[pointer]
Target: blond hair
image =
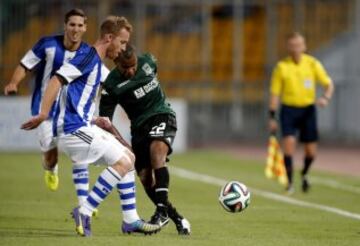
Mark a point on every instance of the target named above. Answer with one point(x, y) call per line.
point(114, 24)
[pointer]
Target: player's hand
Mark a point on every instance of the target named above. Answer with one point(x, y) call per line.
point(33, 123)
point(10, 89)
point(273, 126)
point(103, 122)
point(322, 102)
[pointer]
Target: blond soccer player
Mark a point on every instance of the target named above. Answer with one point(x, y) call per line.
point(78, 82)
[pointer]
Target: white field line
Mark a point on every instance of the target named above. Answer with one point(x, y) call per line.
point(186, 174)
point(334, 184)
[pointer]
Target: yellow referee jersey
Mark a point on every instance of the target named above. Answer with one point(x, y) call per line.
point(295, 83)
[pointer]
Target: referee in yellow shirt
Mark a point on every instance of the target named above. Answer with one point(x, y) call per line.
point(293, 85)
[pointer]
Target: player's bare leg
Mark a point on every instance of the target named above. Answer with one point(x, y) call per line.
point(289, 145)
point(310, 150)
point(147, 180)
point(50, 159)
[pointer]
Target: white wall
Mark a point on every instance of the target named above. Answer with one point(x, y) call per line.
point(15, 111)
point(342, 61)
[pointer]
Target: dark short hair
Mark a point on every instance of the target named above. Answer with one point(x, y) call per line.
point(127, 54)
point(75, 12)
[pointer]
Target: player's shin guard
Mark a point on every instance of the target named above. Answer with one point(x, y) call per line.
point(81, 182)
point(103, 186)
point(126, 188)
point(162, 178)
point(289, 167)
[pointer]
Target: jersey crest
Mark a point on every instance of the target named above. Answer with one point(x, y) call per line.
point(147, 69)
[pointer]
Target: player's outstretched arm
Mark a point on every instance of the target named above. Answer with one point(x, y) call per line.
point(105, 124)
point(118, 136)
point(106, 110)
point(18, 75)
point(107, 105)
point(50, 95)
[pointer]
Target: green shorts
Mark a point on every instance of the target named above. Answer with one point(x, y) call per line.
point(160, 127)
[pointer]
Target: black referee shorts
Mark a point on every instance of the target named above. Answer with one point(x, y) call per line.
point(302, 120)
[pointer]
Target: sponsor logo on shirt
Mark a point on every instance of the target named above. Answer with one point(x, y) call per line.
point(142, 91)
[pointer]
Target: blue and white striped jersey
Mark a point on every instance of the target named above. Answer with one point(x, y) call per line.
point(46, 57)
point(76, 105)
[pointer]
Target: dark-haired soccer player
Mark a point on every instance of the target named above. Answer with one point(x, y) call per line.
point(134, 85)
point(45, 58)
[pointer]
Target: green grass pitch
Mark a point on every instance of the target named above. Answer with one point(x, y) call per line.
point(32, 215)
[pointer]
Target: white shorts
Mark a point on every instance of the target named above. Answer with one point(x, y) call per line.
point(45, 136)
point(91, 144)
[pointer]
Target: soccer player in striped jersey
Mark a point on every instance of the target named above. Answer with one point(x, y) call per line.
point(45, 58)
point(84, 142)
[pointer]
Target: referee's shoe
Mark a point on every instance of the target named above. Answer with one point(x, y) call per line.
point(305, 185)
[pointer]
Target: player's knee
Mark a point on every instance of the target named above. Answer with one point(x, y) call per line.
point(158, 153)
point(157, 160)
point(130, 156)
point(310, 150)
point(125, 163)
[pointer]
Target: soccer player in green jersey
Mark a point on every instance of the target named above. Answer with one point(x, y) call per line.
point(134, 85)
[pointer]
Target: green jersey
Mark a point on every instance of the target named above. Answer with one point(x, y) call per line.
point(141, 96)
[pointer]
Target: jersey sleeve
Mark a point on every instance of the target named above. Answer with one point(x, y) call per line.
point(104, 73)
point(276, 81)
point(322, 76)
point(68, 72)
point(34, 55)
point(107, 105)
point(108, 83)
point(152, 61)
point(78, 66)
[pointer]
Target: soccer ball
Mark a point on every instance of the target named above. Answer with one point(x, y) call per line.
point(234, 197)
